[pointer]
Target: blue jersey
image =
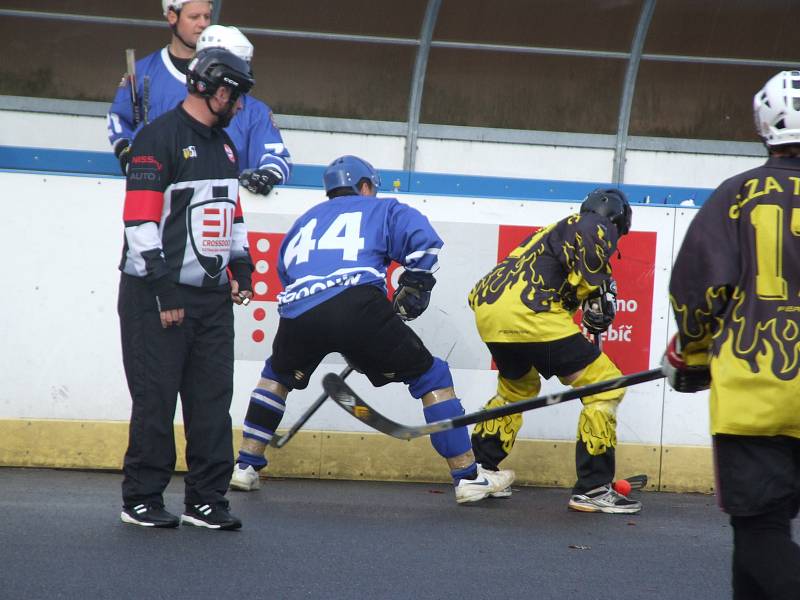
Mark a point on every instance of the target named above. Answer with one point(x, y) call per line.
point(252, 130)
point(349, 241)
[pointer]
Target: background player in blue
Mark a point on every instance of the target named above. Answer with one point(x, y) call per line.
point(264, 159)
point(332, 266)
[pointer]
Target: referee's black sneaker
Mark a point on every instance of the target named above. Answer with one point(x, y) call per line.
point(211, 516)
point(148, 515)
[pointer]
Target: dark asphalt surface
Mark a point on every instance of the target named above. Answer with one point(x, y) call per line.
point(61, 537)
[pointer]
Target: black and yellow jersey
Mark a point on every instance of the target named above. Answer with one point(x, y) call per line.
point(520, 300)
point(735, 290)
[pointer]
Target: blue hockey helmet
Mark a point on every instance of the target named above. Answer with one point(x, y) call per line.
point(347, 171)
point(611, 203)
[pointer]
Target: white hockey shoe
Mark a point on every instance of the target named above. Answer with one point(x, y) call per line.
point(487, 483)
point(244, 479)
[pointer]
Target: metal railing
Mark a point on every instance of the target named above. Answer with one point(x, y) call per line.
point(413, 130)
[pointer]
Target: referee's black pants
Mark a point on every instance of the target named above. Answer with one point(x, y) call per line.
point(195, 360)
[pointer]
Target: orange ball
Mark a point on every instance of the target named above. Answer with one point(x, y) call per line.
point(623, 486)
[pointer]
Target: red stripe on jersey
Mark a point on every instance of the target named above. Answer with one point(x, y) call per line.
point(143, 205)
point(238, 214)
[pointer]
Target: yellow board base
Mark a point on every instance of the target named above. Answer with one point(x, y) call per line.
point(354, 456)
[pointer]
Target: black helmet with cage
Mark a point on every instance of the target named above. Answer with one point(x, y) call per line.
point(612, 204)
point(215, 67)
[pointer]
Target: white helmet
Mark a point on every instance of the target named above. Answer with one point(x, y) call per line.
point(228, 38)
point(175, 5)
point(776, 109)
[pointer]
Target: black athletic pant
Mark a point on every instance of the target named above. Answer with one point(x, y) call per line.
point(766, 562)
point(758, 484)
point(195, 360)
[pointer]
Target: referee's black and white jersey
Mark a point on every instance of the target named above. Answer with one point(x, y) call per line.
point(183, 218)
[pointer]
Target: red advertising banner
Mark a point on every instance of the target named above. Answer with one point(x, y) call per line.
point(264, 252)
point(266, 284)
point(627, 341)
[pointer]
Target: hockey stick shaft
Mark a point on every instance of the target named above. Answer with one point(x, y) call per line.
point(280, 442)
point(146, 99)
point(130, 59)
point(352, 403)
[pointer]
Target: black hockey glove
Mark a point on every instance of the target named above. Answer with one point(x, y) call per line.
point(242, 272)
point(413, 294)
point(600, 308)
point(682, 377)
point(168, 296)
point(260, 181)
point(123, 153)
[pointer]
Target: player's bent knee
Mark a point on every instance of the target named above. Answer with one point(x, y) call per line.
point(274, 387)
point(269, 374)
point(522, 388)
point(438, 377)
point(600, 369)
point(452, 442)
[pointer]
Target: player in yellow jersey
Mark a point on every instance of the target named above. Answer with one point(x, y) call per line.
point(735, 291)
point(524, 312)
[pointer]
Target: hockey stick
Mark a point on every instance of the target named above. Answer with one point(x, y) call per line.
point(146, 99)
point(637, 482)
point(280, 442)
point(130, 58)
point(345, 397)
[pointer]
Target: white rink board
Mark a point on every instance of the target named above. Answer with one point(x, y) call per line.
point(686, 416)
point(496, 159)
point(61, 353)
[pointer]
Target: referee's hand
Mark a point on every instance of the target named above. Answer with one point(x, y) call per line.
point(238, 297)
point(173, 316)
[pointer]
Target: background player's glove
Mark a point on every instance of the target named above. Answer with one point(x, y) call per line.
point(682, 377)
point(413, 294)
point(260, 181)
point(600, 309)
point(123, 154)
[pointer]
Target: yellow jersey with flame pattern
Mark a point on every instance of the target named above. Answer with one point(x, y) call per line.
point(532, 294)
point(735, 291)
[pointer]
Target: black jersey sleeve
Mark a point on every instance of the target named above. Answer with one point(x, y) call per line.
point(589, 241)
point(151, 171)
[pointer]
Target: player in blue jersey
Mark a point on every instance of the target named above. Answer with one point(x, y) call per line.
point(263, 157)
point(332, 266)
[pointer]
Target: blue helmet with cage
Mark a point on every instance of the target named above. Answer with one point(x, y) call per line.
point(347, 172)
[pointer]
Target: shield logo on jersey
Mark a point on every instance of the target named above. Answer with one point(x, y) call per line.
point(229, 152)
point(210, 227)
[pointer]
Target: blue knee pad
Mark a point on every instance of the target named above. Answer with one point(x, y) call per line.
point(268, 373)
point(436, 378)
point(452, 442)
